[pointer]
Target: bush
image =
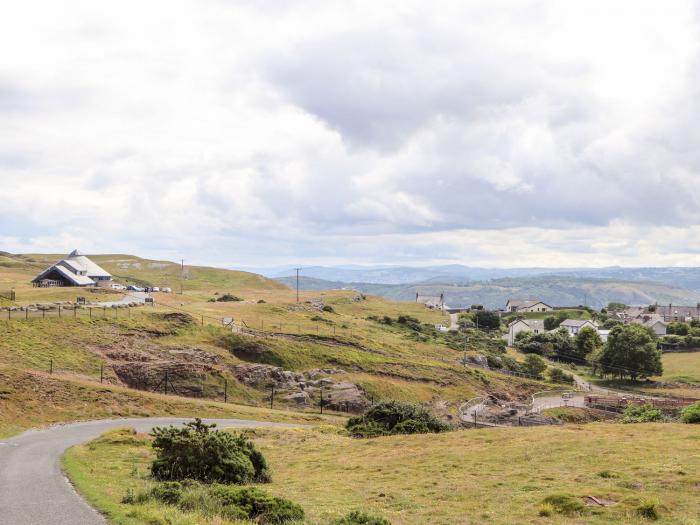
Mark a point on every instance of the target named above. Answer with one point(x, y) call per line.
point(641, 414)
point(564, 504)
point(534, 365)
point(393, 417)
point(691, 413)
point(196, 452)
point(328, 308)
point(647, 509)
point(557, 375)
point(358, 517)
point(231, 503)
point(228, 298)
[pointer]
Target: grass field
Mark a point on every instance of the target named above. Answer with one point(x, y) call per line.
point(681, 367)
point(497, 476)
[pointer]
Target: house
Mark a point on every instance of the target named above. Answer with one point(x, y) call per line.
point(74, 270)
point(524, 325)
point(670, 313)
point(432, 301)
point(604, 335)
point(574, 326)
point(527, 305)
point(657, 325)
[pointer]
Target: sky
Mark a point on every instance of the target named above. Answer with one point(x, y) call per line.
point(260, 133)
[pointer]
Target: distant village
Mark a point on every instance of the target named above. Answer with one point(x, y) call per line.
point(656, 317)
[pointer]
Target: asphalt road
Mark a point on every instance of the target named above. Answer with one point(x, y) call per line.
point(34, 490)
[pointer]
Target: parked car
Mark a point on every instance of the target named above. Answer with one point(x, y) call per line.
point(133, 288)
point(116, 286)
point(155, 289)
point(166, 290)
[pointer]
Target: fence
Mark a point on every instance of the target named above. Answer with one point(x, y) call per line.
point(67, 311)
point(8, 294)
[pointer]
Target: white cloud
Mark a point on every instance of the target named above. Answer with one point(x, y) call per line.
point(353, 131)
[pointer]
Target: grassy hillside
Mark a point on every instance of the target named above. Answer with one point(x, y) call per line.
point(498, 476)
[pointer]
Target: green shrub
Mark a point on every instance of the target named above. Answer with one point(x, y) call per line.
point(557, 375)
point(328, 308)
point(258, 505)
point(196, 452)
point(647, 509)
point(358, 517)
point(228, 298)
point(565, 504)
point(641, 414)
point(691, 413)
point(394, 417)
point(231, 503)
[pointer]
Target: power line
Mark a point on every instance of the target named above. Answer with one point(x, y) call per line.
point(297, 270)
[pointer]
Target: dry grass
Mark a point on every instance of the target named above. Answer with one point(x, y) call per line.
point(496, 476)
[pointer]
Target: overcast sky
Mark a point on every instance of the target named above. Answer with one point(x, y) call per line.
point(256, 133)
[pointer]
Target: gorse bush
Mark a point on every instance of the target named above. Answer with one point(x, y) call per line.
point(691, 413)
point(200, 453)
point(231, 503)
point(394, 417)
point(557, 375)
point(641, 414)
point(358, 517)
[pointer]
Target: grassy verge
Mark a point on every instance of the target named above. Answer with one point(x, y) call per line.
point(499, 476)
point(31, 399)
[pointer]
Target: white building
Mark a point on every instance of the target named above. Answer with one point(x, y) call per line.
point(574, 326)
point(527, 305)
point(74, 270)
point(524, 325)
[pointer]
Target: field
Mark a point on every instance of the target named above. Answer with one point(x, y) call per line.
point(681, 367)
point(497, 476)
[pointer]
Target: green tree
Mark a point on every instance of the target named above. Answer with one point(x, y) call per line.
point(586, 342)
point(612, 307)
point(534, 365)
point(678, 328)
point(487, 320)
point(631, 352)
point(551, 322)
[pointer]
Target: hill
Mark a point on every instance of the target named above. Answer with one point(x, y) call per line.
point(557, 290)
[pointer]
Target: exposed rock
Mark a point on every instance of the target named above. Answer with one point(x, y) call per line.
point(302, 398)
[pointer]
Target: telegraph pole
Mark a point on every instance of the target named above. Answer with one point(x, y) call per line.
point(297, 270)
point(182, 273)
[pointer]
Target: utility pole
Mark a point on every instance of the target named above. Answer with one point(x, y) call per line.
point(182, 273)
point(297, 270)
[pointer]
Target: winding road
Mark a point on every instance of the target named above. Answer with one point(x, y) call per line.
point(34, 490)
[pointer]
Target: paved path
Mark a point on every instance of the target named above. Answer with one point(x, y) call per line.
point(33, 489)
point(130, 297)
point(542, 403)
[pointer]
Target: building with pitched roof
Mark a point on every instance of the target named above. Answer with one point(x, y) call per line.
point(527, 305)
point(75, 270)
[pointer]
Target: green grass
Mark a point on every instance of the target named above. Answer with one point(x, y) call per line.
point(497, 476)
point(681, 367)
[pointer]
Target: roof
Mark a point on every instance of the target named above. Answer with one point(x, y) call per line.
point(576, 323)
point(93, 270)
point(524, 303)
point(655, 320)
point(73, 265)
point(673, 310)
point(534, 324)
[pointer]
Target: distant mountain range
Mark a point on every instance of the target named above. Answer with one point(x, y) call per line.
point(464, 285)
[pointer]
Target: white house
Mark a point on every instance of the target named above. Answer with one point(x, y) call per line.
point(574, 326)
point(527, 305)
point(524, 325)
point(657, 325)
point(74, 270)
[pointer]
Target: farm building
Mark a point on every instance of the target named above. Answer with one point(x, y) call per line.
point(74, 270)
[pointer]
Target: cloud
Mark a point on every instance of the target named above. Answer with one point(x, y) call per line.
point(488, 132)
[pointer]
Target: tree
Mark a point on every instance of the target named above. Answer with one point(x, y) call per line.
point(487, 320)
point(678, 328)
point(534, 365)
point(631, 352)
point(586, 342)
point(551, 322)
point(612, 307)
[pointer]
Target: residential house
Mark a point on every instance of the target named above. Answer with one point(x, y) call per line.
point(657, 325)
point(75, 270)
point(574, 326)
point(432, 301)
point(527, 305)
point(524, 325)
point(670, 313)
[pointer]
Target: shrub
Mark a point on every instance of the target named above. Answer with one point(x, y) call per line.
point(691, 413)
point(545, 510)
point(557, 375)
point(641, 414)
point(328, 308)
point(228, 298)
point(564, 504)
point(197, 452)
point(394, 417)
point(231, 503)
point(358, 517)
point(258, 505)
point(534, 365)
point(647, 509)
